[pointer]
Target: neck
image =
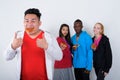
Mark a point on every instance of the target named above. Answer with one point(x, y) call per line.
point(98, 35)
point(63, 37)
point(78, 33)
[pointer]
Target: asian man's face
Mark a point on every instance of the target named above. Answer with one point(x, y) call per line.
point(31, 23)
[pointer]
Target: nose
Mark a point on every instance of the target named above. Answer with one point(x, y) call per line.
point(29, 24)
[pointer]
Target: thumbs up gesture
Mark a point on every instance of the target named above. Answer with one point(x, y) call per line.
point(17, 42)
point(42, 43)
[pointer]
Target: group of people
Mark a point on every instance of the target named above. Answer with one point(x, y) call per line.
point(44, 57)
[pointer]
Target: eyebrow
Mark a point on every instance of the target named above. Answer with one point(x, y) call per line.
point(31, 19)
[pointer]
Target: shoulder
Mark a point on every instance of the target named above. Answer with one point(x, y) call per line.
point(73, 36)
point(104, 37)
point(59, 38)
point(48, 34)
point(93, 37)
point(86, 35)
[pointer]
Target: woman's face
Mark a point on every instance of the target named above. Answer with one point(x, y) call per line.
point(97, 29)
point(64, 30)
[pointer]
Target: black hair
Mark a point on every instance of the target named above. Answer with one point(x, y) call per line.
point(33, 11)
point(78, 21)
point(67, 37)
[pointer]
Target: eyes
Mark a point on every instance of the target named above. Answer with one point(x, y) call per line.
point(98, 28)
point(78, 25)
point(31, 21)
point(65, 29)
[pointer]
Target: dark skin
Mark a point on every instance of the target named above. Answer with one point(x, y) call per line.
point(78, 28)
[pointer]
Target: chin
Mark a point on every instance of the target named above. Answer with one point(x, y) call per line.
point(65, 35)
point(30, 32)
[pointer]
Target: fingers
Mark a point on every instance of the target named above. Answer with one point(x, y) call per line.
point(43, 37)
point(62, 46)
point(42, 43)
point(17, 43)
point(86, 71)
point(15, 36)
point(20, 40)
point(74, 47)
point(38, 42)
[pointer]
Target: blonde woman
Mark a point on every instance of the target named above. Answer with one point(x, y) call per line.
point(102, 54)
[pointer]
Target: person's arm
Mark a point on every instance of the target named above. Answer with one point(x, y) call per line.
point(108, 56)
point(53, 47)
point(10, 53)
point(89, 53)
point(12, 49)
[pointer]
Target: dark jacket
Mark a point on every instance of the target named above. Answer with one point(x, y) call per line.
point(102, 56)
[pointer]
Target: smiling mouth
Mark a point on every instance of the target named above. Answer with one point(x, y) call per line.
point(29, 29)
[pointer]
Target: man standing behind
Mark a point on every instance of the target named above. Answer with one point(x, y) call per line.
point(82, 52)
point(36, 49)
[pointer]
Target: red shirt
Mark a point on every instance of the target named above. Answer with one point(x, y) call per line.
point(66, 61)
point(33, 59)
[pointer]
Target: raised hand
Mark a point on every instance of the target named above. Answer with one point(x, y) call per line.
point(74, 47)
point(17, 42)
point(42, 43)
point(62, 46)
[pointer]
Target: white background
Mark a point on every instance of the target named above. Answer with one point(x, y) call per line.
point(54, 13)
